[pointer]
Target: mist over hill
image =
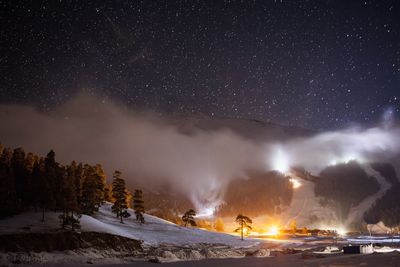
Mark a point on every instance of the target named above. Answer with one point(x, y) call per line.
point(191, 161)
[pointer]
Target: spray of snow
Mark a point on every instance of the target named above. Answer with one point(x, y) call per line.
point(280, 160)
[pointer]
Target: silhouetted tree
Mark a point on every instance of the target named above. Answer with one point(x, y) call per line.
point(119, 194)
point(78, 180)
point(70, 201)
point(188, 218)
point(92, 194)
point(26, 180)
point(138, 205)
point(43, 188)
point(29, 193)
point(244, 223)
point(30, 160)
point(108, 193)
point(6, 156)
point(21, 176)
point(8, 195)
point(100, 183)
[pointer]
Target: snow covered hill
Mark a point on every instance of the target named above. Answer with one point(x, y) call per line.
point(155, 231)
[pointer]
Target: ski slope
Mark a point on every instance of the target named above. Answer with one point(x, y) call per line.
point(306, 204)
point(356, 213)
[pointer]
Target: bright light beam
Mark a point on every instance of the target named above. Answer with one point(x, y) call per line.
point(273, 231)
point(280, 161)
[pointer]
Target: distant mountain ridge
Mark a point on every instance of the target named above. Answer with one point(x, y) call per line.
point(251, 129)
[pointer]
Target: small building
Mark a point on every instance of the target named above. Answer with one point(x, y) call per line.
point(366, 249)
point(358, 249)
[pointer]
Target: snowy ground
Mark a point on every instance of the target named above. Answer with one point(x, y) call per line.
point(296, 260)
point(158, 231)
point(155, 231)
point(166, 242)
point(163, 241)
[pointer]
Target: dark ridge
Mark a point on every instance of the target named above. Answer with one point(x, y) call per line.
point(386, 209)
point(60, 241)
point(387, 171)
point(344, 186)
point(260, 194)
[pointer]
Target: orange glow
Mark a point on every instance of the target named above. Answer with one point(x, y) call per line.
point(246, 231)
point(341, 231)
point(295, 183)
point(273, 230)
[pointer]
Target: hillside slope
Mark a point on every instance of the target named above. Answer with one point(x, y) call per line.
point(155, 231)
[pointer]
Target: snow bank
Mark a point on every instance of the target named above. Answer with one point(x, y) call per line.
point(386, 249)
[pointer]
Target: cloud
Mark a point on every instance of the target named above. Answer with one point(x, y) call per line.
point(329, 148)
point(152, 150)
point(146, 148)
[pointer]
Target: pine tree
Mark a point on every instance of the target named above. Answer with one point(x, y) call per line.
point(244, 223)
point(50, 180)
point(8, 194)
point(27, 180)
point(30, 160)
point(108, 194)
point(78, 180)
point(92, 193)
point(6, 156)
point(60, 176)
point(100, 183)
point(70, 202)
point(188, 218)
point(21, 176)
point(119, 193)
point(55, 174)
point(43, 189)
point(138, 205)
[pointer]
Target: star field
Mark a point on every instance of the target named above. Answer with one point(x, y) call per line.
point(314, 64)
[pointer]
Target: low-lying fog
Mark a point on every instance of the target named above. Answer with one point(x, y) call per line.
point(150, 149)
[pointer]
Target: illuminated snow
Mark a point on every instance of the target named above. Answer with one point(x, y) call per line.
point(295, 183)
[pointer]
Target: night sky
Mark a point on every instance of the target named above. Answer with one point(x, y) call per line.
point(315, 64)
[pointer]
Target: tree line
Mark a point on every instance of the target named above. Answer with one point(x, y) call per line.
point(31, 182)
point(28, 181)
